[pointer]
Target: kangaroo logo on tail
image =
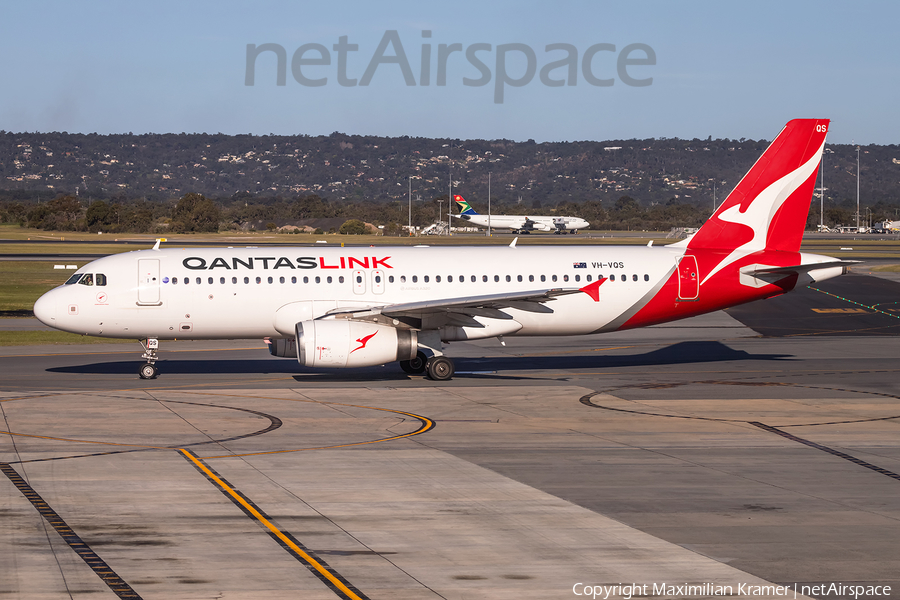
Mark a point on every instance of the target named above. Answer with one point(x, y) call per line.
point(767, 209)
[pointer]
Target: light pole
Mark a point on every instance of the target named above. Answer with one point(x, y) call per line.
point(822, 195)
point(489, 204)
point(857, 189)
point(450, 197)
point(409, 225)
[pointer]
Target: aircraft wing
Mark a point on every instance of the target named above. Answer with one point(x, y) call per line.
point(488, 305)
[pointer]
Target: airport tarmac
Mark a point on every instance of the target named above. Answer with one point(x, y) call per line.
point(699, 452)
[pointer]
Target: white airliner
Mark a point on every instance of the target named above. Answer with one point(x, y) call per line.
point(518, 223)
point(357, 307)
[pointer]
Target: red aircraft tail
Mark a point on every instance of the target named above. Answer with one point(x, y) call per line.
point(768, 208)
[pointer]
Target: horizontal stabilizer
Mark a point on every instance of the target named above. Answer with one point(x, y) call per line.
point(755, 270)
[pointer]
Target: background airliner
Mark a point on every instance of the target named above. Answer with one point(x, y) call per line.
point(355, 307)
point(519, 223)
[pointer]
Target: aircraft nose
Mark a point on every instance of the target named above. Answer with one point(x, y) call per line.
point(45, 309)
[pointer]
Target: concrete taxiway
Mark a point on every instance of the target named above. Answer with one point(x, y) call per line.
point(695, 453)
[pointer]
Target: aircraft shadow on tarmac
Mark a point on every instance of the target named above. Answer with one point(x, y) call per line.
point(681, 353)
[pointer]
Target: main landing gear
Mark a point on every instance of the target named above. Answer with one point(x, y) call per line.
point(438, 368)
point(148, 370)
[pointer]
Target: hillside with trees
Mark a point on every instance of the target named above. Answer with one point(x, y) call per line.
point(138, 182)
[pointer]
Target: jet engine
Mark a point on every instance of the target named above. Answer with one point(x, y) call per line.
point(285, 348)
point(343, 343)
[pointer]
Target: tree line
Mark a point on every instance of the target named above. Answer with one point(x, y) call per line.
point(196, 213)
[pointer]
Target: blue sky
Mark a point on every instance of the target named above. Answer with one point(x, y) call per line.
point(724, 69)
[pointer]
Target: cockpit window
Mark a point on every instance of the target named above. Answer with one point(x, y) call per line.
point(101, 279)
point(74, 278)
point(88, 279)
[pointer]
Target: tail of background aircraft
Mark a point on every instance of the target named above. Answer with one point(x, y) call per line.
point(464, 208)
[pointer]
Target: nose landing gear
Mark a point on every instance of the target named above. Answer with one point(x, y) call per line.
point(149, 370)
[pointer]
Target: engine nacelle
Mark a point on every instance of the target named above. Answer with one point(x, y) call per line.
point(286, 348)
point(342, 343)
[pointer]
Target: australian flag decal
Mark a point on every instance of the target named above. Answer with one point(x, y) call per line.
point(579, 265)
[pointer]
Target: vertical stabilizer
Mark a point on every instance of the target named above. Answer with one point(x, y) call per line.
point(768, 209)
point(464, 207)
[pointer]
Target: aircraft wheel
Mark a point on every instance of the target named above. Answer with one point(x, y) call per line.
point(415, 366)
point(440, 368)
point(148, 371)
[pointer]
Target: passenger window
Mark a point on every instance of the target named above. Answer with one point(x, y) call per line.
point(390, 279)
point(403, 279)
point(634, 277)
point(473, 279)
point(588, 278)
point(329, 279)
point(449, 278)
point(73, 279)
point(437, 278)
point(270, 280)
point(553, 277)
point(543, 278)
point(519, 278)
point(306, 280)
point(281, 280)
point(210, 280)
point(221, 280)
point(646, 278)
point(174, 280)
point(565, 277)
point(415, 278)
point(318, 279)
point(259, 280)
point(88, 279)
point(484, 277)
point(359, 279)
point(508, 279)
point(234, 280)
point(377, 279)
point(612, 277)
point(578, 278)
point(496, 278)
point(246, 280)
point(187, 280)
point(294, 279)
point(341, 279)
point(101, 279)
